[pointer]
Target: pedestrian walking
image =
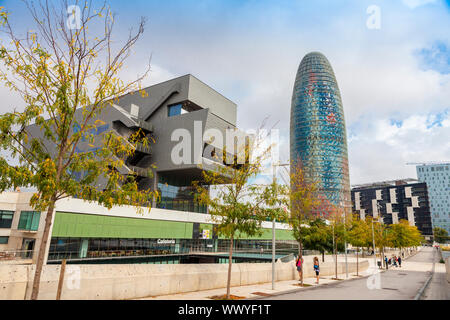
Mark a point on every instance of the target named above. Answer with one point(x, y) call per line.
point(316, 268)
point(394, 260)
point(400, 262)
point(299, 265)
point(386, 262)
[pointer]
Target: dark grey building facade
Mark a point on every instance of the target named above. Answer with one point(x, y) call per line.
point(178, 116)
point(393, 201)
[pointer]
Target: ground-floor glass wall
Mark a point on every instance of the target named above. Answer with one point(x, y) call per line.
point(85, 248)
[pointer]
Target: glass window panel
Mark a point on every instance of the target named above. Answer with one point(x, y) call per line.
point(6, 218)
point(29, 220)
point(175, 110)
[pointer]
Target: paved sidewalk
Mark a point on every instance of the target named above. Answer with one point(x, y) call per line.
point(258, 290)
point(265, 289)
point(394, 284)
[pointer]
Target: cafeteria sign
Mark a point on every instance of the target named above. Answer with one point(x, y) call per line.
point(165, 241)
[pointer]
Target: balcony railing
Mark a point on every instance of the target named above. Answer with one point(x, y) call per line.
point(15, 255)
point(140, 171)
point(145, 149)
point(146, 126)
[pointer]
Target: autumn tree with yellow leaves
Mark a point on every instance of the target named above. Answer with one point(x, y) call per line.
point(58, 70)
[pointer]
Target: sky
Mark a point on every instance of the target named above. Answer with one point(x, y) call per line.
point(394, 80)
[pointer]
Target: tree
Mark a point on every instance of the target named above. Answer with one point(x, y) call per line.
point(359, 236)
point(338, 229)
point(303, 200)
point(240, 204)
point(383, 238)
point(440, 235)
point(414, 236)
point(400, 234)
point(404, 235)
point(57, 71)
point(318, 237)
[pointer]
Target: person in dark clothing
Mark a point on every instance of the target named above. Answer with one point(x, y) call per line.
point(386, 262)
point(399, 261)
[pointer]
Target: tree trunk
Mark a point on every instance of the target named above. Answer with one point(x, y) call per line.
point(335, 258)
point(323, 256)
point(42, 249)
point(357, 265)
point(230, 260)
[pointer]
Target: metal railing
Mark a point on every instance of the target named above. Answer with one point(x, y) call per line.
point(287, 258)
point(145, 149)
point(6, 255)
point(68, 255)
point(182, 250)
point(261, 249)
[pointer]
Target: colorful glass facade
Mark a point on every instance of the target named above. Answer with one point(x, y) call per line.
point(317, 131)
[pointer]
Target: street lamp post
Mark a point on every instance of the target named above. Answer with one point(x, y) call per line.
point(373, 240)
point(273, 226)
point(345, 241)
point(382, 239)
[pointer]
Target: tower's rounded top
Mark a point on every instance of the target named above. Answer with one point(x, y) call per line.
point(315, 53)
point(314, 62)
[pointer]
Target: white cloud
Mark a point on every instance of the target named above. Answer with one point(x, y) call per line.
point(381, 150)
point(417, 3)
point(251, 56)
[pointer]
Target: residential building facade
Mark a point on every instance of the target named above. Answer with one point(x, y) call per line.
point(437, 178)
point(392, 201)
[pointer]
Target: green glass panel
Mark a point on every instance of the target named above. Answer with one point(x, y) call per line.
point(36, 216)
point(29, 220)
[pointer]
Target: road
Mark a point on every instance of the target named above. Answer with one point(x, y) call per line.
point(394, 284)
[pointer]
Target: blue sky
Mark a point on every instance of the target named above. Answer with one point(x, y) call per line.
point(394, 81)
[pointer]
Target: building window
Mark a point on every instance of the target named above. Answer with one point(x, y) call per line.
point(6, 219)
point(176, 110)
point(4, 240)
point(177, 193)
point(29, 220)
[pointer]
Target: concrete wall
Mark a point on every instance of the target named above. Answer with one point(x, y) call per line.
point(130, 281)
